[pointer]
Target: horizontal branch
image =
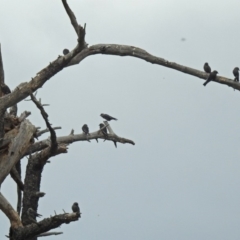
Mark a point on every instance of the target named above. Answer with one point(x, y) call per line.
point(39, 133)
point(43, 226)
point(75, 138)
point(124, 50)
point(49, 234)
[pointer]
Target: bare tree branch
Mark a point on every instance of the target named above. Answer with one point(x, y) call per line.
point(124, 50)
point(54, 143)
point(72, 17)
point(43, 226)
point(13, 110)
point(49, 234)
point(17, 149)
point(12, 215)
point(24, 115)
point(32, 180)
point(38, 146)
point(15, 176)
point(39, 133)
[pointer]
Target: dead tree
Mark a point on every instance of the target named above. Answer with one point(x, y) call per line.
point(19, 137)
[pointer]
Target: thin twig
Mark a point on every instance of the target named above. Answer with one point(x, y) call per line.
point(54, 143)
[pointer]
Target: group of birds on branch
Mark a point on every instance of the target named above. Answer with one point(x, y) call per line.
point(103, 128)
point(212, 75)
point(32, 215)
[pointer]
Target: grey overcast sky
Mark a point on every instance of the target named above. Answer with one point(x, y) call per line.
point(182, 178)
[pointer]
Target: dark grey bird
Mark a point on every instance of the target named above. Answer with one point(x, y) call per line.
point(107, 117)
point(5, 89)
point(104, 131)
point(85, 129)
point(207, 68)
point(212, 76)
point(65, 51)
point(75, 208)
point(236, 74)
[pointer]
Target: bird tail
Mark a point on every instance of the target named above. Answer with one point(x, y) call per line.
point(206, 83)
point(114, 118)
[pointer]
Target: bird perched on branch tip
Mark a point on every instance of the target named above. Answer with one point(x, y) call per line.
point(212, 76)
point(207, 68)
point(107, 117)
point(75, 208)
point(236, 74)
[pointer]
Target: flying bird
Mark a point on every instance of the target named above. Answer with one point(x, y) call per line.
point(107, 117)
point(104, 131)
point(236, 74)
point(212, 76)
point(75, 208)
point(5, 89)
point(65, 51)
point(85, 129)
point(207, 68)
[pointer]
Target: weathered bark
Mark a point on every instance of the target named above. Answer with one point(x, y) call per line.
point(34, 229)
point(12, 215)
point(16, 151)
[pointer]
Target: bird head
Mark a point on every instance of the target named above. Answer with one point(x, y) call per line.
point(237, 68)
point(75, 203)
point(216, 72)
point(206, 63)
point(102, 114)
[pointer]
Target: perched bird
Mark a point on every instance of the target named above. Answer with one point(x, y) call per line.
point(65, 51)
point(5, 89)
point(85, 129)
point(212, 76)
point(75, 208)
point(207, 68)
point(107, 117)
point(236, 74)
point(104, 131)
point(32, 213)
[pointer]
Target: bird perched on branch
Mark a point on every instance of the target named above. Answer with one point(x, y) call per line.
point(236, 74)
point(65, 51)
point(212, 76)
point(5, 89)
point(85, 129)
point(104, 131)
point(107, 117)
point(207, 68)
point(75, 208)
